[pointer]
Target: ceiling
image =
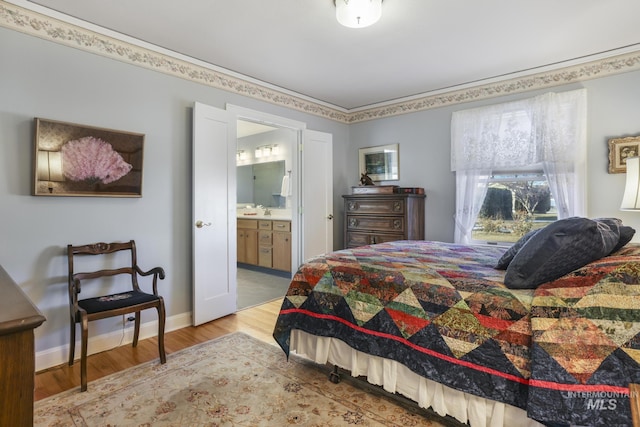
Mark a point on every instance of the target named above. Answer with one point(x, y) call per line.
point(418, 47)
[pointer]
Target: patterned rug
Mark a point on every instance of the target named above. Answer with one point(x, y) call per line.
point(235, 380)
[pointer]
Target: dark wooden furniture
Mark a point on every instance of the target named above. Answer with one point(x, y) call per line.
point(379, 218)
point(18, 318)
point(132, 300)
point(634, 397)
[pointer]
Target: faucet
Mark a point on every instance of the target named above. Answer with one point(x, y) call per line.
point(267, 211)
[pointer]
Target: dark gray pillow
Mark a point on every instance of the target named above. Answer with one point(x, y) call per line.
point(558, 249)
point(507, 257)
point(626, 233)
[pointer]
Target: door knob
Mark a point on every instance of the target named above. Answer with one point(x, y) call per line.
point(330, 216)
point(200, 224)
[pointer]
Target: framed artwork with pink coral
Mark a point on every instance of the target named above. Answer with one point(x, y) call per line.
point(77, 160)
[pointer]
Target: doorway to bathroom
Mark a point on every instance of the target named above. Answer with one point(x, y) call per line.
point(216, 212)
point(265, 162)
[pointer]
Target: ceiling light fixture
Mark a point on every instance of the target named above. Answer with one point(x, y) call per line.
point(358, 13)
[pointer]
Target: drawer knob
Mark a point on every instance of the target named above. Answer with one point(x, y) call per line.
point(397, 206)
point(397, 224)
point(353, 206)
point(353, 222)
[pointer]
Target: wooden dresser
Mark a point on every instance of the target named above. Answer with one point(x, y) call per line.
point(18, 318)
point(379, 218)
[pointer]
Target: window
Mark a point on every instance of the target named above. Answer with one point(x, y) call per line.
point(515, 203)
point(529, 146)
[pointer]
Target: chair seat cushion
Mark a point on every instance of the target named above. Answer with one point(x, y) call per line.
point(115, 301)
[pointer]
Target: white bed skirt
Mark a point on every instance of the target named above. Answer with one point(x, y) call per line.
point(396, 378)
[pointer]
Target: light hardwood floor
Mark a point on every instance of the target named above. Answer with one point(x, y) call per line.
point(257, 321)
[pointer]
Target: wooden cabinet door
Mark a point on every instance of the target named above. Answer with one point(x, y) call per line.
point(282, 251)
point(251, 242)
point(241, 246)
point(247, 241)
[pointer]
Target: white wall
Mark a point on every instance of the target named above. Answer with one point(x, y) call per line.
point(425, 139)
point(42, 79)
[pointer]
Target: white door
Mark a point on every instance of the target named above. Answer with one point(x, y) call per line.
point(214, 219)
point(317, 194)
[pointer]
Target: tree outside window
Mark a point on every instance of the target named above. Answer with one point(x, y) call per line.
point(514, 205)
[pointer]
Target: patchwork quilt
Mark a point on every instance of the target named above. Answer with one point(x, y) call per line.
point(565, 351)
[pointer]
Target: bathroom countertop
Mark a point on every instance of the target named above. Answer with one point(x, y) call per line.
point(274, 217)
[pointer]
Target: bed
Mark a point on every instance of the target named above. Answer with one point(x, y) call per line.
point(435, 322)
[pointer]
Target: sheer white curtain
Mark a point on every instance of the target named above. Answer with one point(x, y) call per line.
point(548, 131)
point(471, 188)
point(563, 136)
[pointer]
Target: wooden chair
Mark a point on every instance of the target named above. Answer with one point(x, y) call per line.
point(131, 301)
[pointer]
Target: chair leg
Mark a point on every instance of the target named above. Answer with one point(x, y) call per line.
point(72, 341)
point(136, 329)
point(83, 355)
point(161, 316)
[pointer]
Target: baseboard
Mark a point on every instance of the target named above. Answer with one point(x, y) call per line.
point(58, 355)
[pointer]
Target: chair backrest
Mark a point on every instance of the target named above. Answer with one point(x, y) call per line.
point(100, 249)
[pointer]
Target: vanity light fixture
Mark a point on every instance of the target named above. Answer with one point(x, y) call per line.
point(267, 150)
point(358, 13)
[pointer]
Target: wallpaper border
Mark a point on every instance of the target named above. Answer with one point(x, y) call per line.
point(36, 24)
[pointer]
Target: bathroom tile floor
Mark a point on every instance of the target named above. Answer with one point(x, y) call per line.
point(260, 285)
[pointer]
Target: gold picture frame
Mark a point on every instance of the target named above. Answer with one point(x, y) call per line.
point(380, 162)
point(619, 150)
point(77, 160)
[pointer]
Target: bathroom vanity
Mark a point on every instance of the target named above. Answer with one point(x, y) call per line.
point(264, 240)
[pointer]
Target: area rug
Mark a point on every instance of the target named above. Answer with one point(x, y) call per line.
point(235, 380)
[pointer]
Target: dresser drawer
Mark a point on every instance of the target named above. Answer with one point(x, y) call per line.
point(355, 239)
point(264, 224)
point(264, 238)
point(281, 225)
point(379, 218)
point(373, 206)
point(248, 223)
point(379, 223)
point(265, 257)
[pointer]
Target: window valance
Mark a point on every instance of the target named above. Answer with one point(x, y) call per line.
point(547, 128)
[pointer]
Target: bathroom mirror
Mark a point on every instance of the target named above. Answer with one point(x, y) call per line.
point(261, 184)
